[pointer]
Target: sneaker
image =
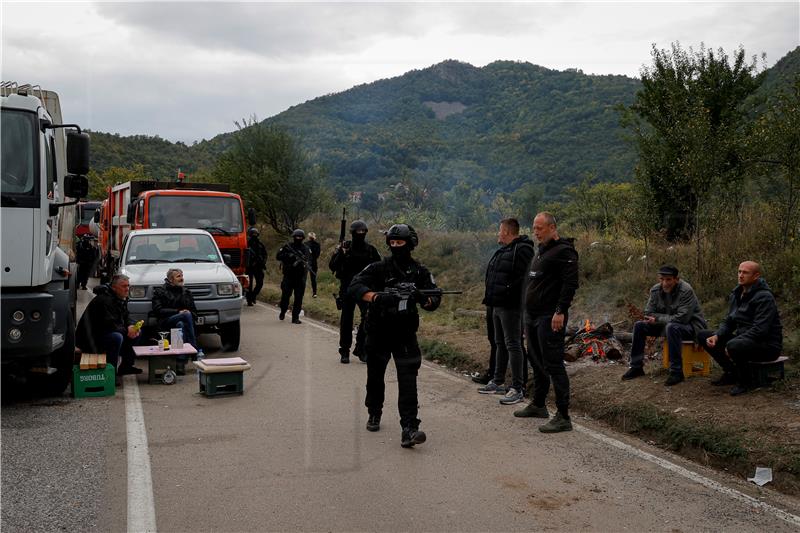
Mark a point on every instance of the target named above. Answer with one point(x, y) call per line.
point(532, 411)
point(557, 424)
point(126, 370)
point(673, 379)
point(314, 295)
point(249, 304)
point(512, 396)
point(344, 359)
point(739, 390)
point(411, 437)
point(492, 388)
point(727, 378)
point(282, 315)
point(374, 423)
point(632, 373)
point(482, 379)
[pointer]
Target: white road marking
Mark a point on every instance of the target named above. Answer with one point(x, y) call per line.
point(141, 506)
point(663, 463)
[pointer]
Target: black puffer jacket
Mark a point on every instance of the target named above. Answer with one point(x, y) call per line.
point(553, 278)
point(170, 299)
point(105, 314)
point(753, 315)
point(506, 273)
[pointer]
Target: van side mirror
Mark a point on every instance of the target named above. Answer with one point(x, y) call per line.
point(251, 216)
point(77, 153)
point(76, 186)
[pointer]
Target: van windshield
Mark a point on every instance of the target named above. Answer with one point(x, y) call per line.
point(214, 214)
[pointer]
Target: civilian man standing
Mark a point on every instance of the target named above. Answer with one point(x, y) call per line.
point(552, 282)
point(505, 280)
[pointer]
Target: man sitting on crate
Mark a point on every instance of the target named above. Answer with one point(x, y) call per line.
point(173, 307)
point(752, 330)
point(106, 327)
point(672, 311)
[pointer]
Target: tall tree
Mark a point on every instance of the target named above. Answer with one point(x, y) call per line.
point(690, 129)
point(268, 167)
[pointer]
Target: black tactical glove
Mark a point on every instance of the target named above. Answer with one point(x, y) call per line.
point(385, 300)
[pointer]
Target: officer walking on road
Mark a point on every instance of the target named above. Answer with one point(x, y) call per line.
point(86, 255)
point(350, 258)
point(256, 265)
point(316, 249)
point(295, 262)
point(391, 329)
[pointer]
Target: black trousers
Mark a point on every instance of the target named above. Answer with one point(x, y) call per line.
point(740, 351)
point(492, 344)
point(346, 324)
point(381, 346)
point(546, 353)
point(296, 286)
point(84, 269)
point(256, 278)
point(313, 276)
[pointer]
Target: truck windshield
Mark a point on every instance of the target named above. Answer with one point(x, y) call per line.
point(172, 248)
point(19, 153)
point(215, 214)
point(87, 213)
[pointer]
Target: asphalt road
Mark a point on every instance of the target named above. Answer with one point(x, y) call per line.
point(292, 454)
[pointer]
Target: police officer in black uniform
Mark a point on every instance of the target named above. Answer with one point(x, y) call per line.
point(86, 255)
point(350, 258)
point(392, 329)
point(256, 265)
point(295, 260)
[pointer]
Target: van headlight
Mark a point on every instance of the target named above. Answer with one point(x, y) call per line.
point(225, 289)
point(137, 292)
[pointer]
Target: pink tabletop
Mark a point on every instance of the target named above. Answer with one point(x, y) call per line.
point(148, 351)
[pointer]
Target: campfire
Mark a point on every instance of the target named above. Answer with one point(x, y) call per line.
point(597, 343)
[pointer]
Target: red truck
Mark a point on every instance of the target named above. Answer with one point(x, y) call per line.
point(158, 204)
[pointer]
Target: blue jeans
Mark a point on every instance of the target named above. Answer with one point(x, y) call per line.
point(674, 332)
point(117, 345)
point(508, 339)
point(185, 321)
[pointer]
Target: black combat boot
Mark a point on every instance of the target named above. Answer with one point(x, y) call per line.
point(412, 436)
point(374, 423)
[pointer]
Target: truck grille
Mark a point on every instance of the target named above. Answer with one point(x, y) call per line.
point(236, 256)
point(201, 291)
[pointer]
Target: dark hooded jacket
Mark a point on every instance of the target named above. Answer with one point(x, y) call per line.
point(169, 299)
point(753, 315)
point(506, 273)
point(105, 314)
point(679, 305)
point(552, 279)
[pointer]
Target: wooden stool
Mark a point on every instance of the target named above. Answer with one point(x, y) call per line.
point(222, 376)
point(765, 372)
point(696, 361)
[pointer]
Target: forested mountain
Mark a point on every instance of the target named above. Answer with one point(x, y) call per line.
point(496, 127)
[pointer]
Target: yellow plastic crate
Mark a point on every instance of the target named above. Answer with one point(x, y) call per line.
point(696, 361)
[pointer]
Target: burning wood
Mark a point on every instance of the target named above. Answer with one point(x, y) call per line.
point(598, 343)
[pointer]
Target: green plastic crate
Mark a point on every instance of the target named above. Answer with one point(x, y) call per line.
point(93, 382)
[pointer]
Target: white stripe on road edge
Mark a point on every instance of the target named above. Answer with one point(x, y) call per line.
point(141, 508)
point(694, 476)
point(663, 463)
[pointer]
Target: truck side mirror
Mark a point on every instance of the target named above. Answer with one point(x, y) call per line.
point(251, 216)
point(226, 258)
point(77, 153)
point(76, 186)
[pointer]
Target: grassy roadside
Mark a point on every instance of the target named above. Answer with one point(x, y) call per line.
point(694, 419)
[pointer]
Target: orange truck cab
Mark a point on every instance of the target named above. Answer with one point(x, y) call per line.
point(154, 204)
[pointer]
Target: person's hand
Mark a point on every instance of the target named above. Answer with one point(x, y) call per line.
point(384, 299)
point(711, 341)
point(558, 322)
point(650, 319)
point(185, 312)
point(428, 303)
point(132, 332)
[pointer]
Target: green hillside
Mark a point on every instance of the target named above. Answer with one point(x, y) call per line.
point(495, 127)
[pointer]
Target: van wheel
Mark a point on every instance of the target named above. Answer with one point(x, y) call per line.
point(229, 335)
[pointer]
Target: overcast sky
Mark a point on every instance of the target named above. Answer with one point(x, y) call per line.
point(187, 70)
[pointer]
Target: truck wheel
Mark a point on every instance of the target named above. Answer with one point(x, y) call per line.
point(229, 335)
point(62, 360)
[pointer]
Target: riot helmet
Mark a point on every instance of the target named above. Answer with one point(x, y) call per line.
point(253, 232)
point(298, 234)
point(358, 226)
point(403, 232)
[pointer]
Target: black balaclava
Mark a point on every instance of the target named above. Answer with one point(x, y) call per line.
point(401, 254)
point(359, 238)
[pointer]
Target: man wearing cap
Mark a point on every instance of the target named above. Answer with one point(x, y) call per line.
point(672, 311)
point(295, 258)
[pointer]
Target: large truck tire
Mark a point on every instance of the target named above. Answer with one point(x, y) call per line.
point(62, 360)
point(229, 335)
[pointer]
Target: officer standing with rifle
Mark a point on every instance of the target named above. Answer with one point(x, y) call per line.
point(295, 262)
point(350, 258)
point(393, 287)
point(256, 265)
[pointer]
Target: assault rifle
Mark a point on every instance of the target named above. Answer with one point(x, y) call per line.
point(404, 292)
point(343, 227)
point(298, 258)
